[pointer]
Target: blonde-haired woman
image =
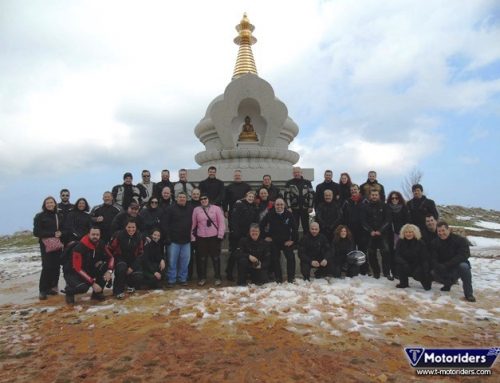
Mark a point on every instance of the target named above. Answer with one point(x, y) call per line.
point(412, 258)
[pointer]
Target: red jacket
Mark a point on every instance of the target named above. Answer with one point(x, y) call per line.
point(86, 254)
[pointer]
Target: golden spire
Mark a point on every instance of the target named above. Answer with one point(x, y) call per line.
point(245, 62)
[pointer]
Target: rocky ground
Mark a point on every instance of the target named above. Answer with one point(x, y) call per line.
point(350, 330)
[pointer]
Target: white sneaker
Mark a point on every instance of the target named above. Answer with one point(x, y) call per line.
point(217, 282)
point(130, 290)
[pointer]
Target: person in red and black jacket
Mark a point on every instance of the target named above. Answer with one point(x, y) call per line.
point(88, 266)
point(127, 248)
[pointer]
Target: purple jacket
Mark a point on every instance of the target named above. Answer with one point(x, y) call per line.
point(200, 222)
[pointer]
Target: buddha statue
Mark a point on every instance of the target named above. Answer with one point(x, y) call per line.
point(248, 132)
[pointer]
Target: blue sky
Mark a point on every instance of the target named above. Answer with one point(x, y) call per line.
point(90, 89)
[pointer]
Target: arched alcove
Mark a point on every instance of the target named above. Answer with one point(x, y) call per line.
point(249, 107)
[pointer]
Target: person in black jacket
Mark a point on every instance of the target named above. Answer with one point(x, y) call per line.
point(273, 192)
point(127, 247)
point(102, 215)
point(400, 217)
point(327, 184)
point(280, 229)
point(372, 184)
point(351, 212)
point(126, 193)
point(47, 224)
point(419, 206)
point(179, 218)
point(88, 265)
point(430, 232)
point(412, 258)
point(342, 245)
point(121, 219)
point(243, 215)
point(315, 253)
point(233, 192)
point(64, 207)
point(150, 215)
point(213, 187)
point(328, 215)
point(165, 181)
point(78, 221)
point(450, 260)
point(154, 261)
point(263, 203)
point(253, 257)
point(376, 219)
point(345, 184)
point(299, 197)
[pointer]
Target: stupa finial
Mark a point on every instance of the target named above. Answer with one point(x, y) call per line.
point(245, 62)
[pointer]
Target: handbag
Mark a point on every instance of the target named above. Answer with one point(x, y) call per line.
point(53, 243)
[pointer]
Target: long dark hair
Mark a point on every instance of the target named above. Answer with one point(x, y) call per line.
point(87, 207)
point(399, 195)
point(339, 228)
point(349, 181)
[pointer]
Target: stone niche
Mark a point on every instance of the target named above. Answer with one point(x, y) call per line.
point(220, 129)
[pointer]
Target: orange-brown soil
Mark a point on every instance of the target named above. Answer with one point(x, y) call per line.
point(38, 345)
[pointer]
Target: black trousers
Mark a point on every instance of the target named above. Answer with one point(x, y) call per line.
point(320, 272)
point(301, 216)
point(391, 243)
point(75, 284)
point(122, 279)
point(361, 241)
point(374, 244)
point(231, 261)
point(208, 248)
point(451, 274)
point(245, 269)
point(51, 269)
point(276, 250)
point(340, 264)
point(419, 273)
point(150, 280)
point(192, 261)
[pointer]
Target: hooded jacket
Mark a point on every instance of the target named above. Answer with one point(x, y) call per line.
point(84, 257)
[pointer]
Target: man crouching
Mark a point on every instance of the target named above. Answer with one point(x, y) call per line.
point(450, 260)
point(253, 257)
point(88, 265)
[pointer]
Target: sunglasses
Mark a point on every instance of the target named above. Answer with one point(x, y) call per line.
point(203, 198)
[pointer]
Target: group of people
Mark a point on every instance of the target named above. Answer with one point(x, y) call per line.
point(149, 235)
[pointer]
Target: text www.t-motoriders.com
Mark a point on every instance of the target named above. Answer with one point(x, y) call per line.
point(453, 371)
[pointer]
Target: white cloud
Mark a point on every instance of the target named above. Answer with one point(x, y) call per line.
point(100, 82)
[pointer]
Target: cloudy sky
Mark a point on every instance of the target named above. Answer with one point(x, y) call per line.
point(91, 89)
